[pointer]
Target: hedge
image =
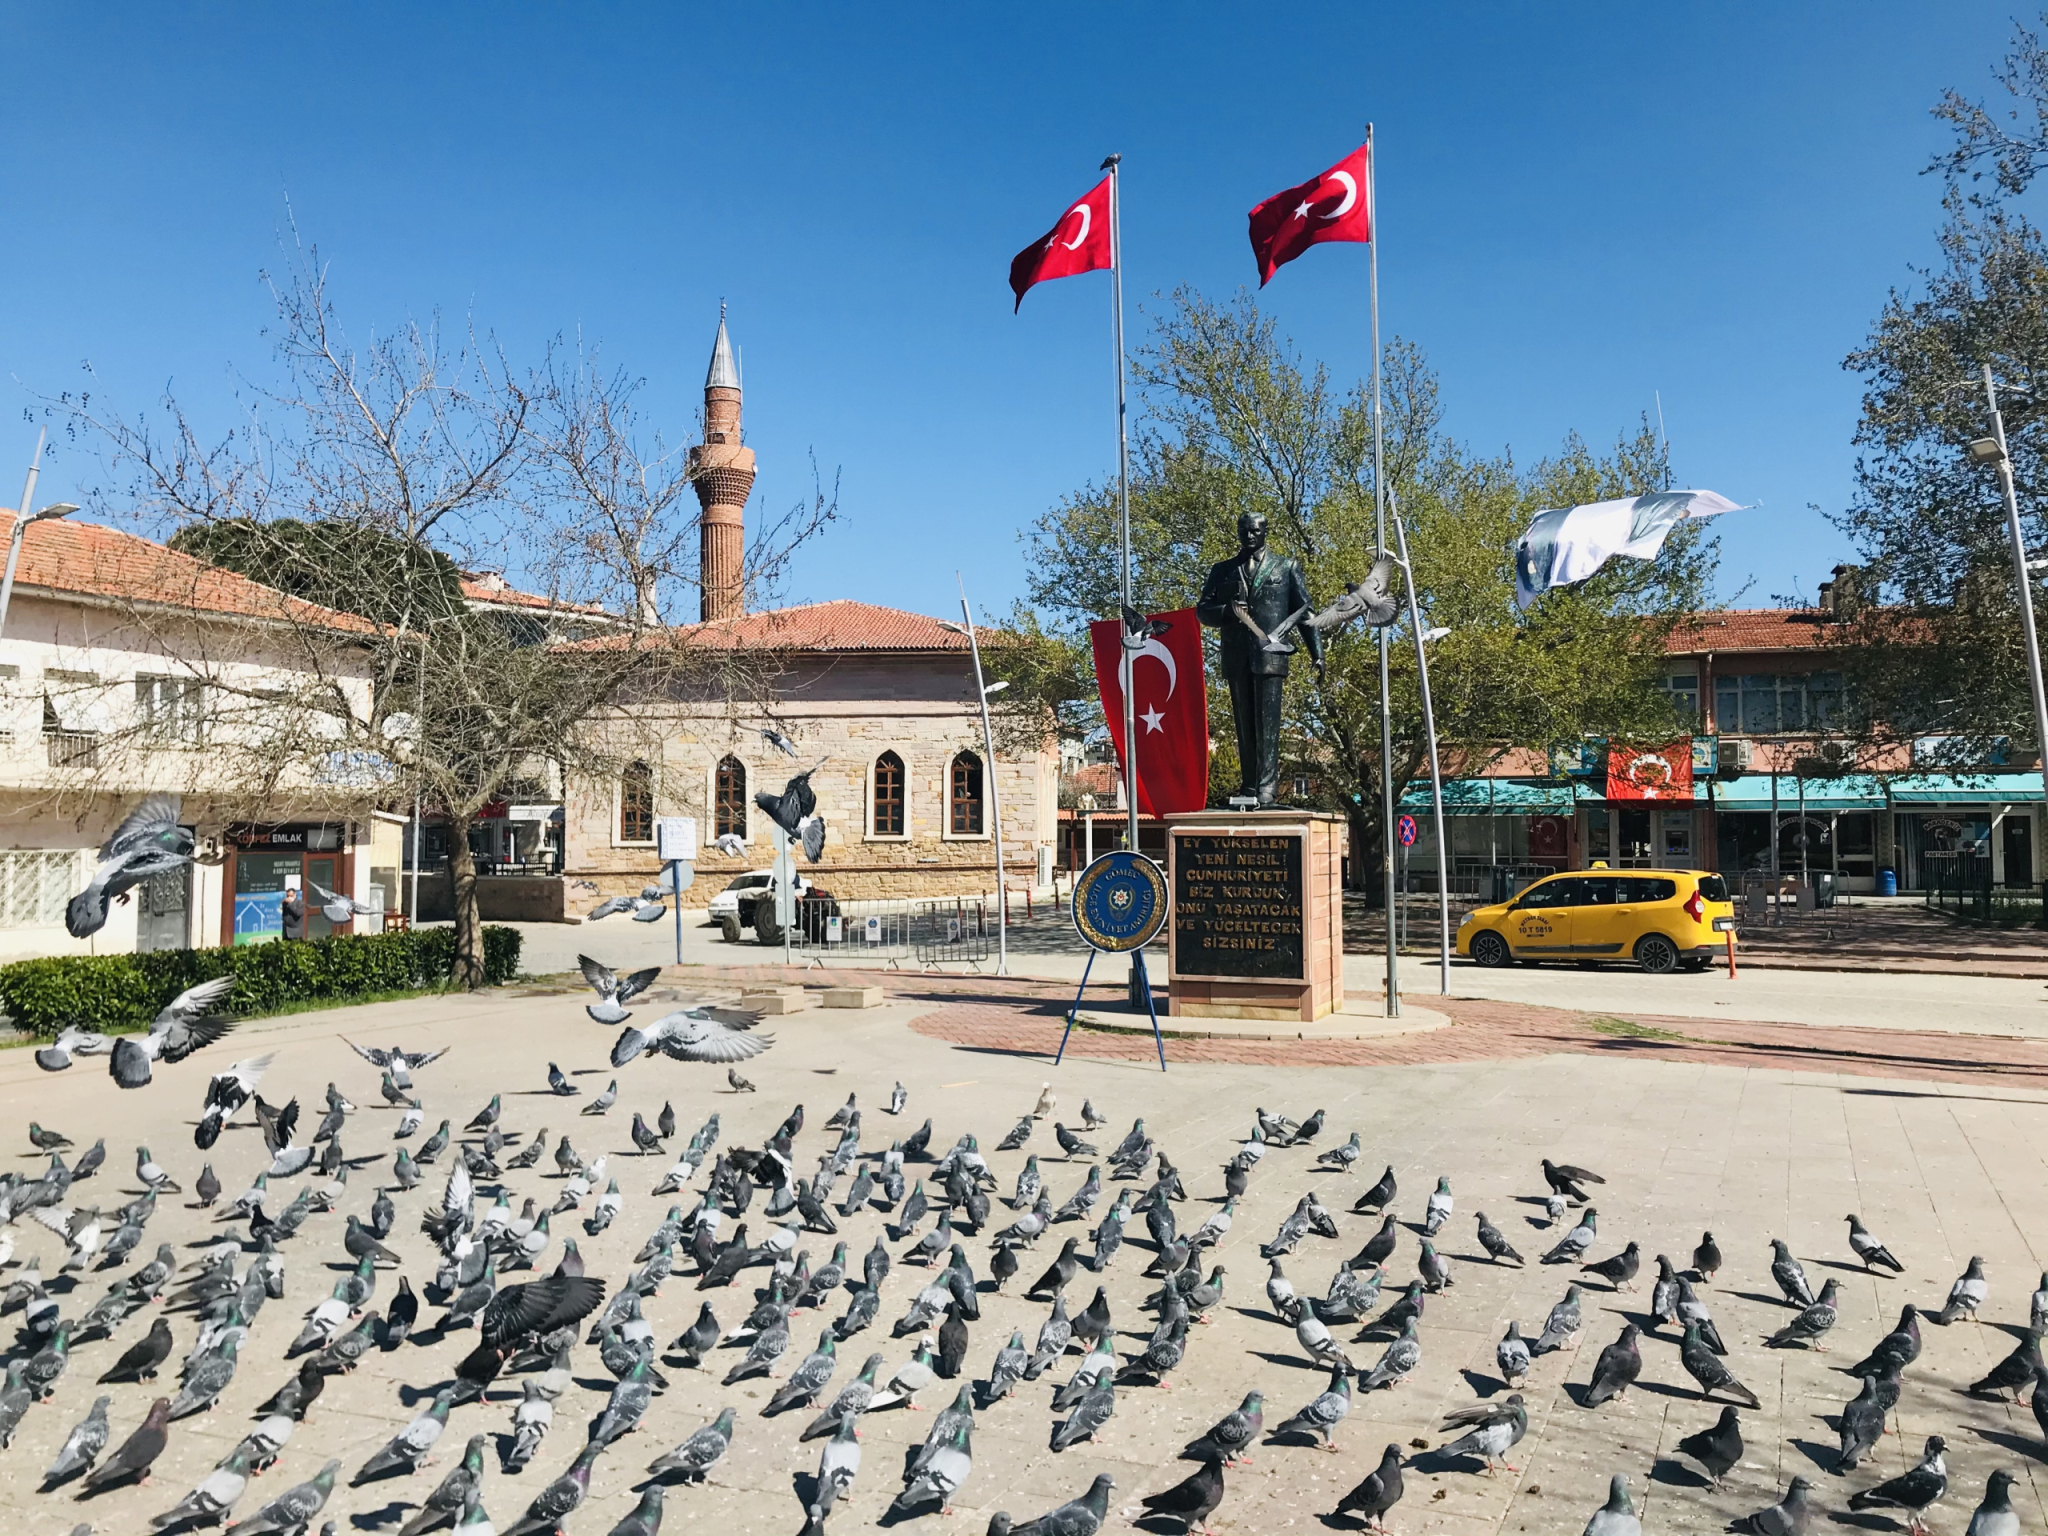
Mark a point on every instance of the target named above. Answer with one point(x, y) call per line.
point(111, 992)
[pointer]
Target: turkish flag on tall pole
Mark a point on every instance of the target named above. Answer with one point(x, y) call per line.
point(1336, 205)
point(1079, 242)
point(1087, 238)
point(1340, 205)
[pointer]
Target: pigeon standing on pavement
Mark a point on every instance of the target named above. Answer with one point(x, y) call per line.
point(1867, 1248)
point(1965, 1296)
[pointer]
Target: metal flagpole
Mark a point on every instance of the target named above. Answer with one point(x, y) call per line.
point(1379, 509)
point(1136, 980)
point(1436, 777)
point(2019, 570)
point(995, 798)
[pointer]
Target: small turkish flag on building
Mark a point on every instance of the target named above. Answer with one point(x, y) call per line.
point(1336, 205)
point(1650, 773)
point(1078, 243)
point(1170, 703)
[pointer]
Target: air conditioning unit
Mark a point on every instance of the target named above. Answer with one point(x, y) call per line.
point(1731, 758)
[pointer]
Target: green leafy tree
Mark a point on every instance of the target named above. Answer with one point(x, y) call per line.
point(1934, 642)
point(1236, 422)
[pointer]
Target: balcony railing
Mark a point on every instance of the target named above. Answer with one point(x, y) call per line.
point(72, 749)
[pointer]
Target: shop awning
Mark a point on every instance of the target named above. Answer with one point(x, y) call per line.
point(1752, 792)
point(1959, 788)
point(1492, 797)
point(1867, 792)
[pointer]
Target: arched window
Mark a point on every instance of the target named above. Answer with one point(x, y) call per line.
point(729, 799)
point(888, 795)
point(636, 804)
point(965, 799)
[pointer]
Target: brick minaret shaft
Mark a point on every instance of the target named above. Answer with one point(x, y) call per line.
point(723, 472)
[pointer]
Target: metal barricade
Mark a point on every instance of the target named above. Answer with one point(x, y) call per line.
point(852, 933)
point(954, 929)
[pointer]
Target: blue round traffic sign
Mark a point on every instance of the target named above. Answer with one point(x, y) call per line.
point(1120, 902)
point(1404, 829)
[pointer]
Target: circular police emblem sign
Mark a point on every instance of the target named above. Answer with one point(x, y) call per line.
point(1120, 902)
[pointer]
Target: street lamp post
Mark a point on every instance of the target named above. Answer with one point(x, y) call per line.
point(982, 690)
point(22, 518)
point(1994, 449)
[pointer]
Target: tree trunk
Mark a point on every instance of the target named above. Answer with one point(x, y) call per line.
point(1361, 848)
point(468, 972)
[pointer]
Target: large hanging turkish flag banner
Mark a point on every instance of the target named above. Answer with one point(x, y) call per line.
point(1078, 243)
point(1650, 773)
point(1170, 705)
point(1336, 205)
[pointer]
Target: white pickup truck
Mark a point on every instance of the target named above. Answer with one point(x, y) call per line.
point(749, 902)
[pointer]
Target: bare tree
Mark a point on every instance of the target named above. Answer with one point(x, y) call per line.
point(370, 479)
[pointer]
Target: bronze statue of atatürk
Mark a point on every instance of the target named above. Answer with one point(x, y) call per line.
point(1257, 600)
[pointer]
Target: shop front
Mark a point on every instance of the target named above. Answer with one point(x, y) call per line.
point(1820, 826)
point(1500, 834)
point(264, 863)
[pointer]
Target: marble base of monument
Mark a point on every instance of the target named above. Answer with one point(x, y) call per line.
point(1258, 914)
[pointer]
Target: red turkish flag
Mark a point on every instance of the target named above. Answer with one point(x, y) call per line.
point(1650, 773)
point(1078, 243)
point(1336, 205)
point(1170, 702)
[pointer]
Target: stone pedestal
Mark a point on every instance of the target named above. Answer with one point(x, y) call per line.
point(1258, 914)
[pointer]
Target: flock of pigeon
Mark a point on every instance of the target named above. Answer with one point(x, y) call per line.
point(508, 1326)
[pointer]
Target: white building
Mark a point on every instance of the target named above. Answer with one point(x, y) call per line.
point(127, 668)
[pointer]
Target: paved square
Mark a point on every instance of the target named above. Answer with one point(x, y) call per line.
point(1939, 1170)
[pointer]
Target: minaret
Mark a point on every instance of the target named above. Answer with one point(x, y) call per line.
point(723, 473)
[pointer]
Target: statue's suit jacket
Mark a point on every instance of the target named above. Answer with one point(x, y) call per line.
point(1270, 591)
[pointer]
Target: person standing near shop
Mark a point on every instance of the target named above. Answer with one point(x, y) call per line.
point(293, 911)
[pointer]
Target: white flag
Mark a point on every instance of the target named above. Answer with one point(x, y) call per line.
point(1571, 543)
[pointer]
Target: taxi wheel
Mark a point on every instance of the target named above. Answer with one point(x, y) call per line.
point(1489, 950)
point(1656, 954)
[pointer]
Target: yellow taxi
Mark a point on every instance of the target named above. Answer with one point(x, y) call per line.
point(1661, 920)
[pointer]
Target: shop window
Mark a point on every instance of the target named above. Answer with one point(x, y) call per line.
point(889, 821)
point(636, 804)
point(729, 799)
point(964, 801)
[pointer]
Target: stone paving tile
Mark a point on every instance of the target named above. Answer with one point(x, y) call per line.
point(1691, 1136)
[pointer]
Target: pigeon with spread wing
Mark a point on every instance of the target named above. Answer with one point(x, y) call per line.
point(187, 1022)
point(613, 990)
point(694, 1034)
point(148, 842)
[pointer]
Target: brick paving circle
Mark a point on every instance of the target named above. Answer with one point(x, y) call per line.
point(1484, 1030)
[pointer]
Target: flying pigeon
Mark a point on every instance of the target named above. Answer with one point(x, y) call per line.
point(1372, 598)
point(613, 990)
point(795, 811)
point(694, 1034)
point(337, 908)
point(148, 842)
point(777, 740)
point(186, 1023)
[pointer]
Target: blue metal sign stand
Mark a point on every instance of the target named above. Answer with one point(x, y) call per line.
point(1119, 905)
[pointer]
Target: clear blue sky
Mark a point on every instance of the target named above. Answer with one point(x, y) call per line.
point(1579, 205)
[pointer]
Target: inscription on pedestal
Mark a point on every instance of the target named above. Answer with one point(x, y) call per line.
point(1238, 905)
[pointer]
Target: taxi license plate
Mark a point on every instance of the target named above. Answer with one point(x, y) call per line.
point(1724, 925)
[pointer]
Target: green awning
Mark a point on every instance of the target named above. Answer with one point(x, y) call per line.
point(1492, 797)
point(1868, 792)
point(1752, 792)
point(1962, 788)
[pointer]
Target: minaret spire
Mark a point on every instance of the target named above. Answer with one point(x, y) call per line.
point(722, 470)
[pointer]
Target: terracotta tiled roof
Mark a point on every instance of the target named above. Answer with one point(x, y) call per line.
point(839, 625)
point(489, 587)
point(59, 555)
point(1098, 779)
point(1755, 629)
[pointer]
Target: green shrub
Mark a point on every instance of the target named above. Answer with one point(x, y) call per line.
point(111, 992)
